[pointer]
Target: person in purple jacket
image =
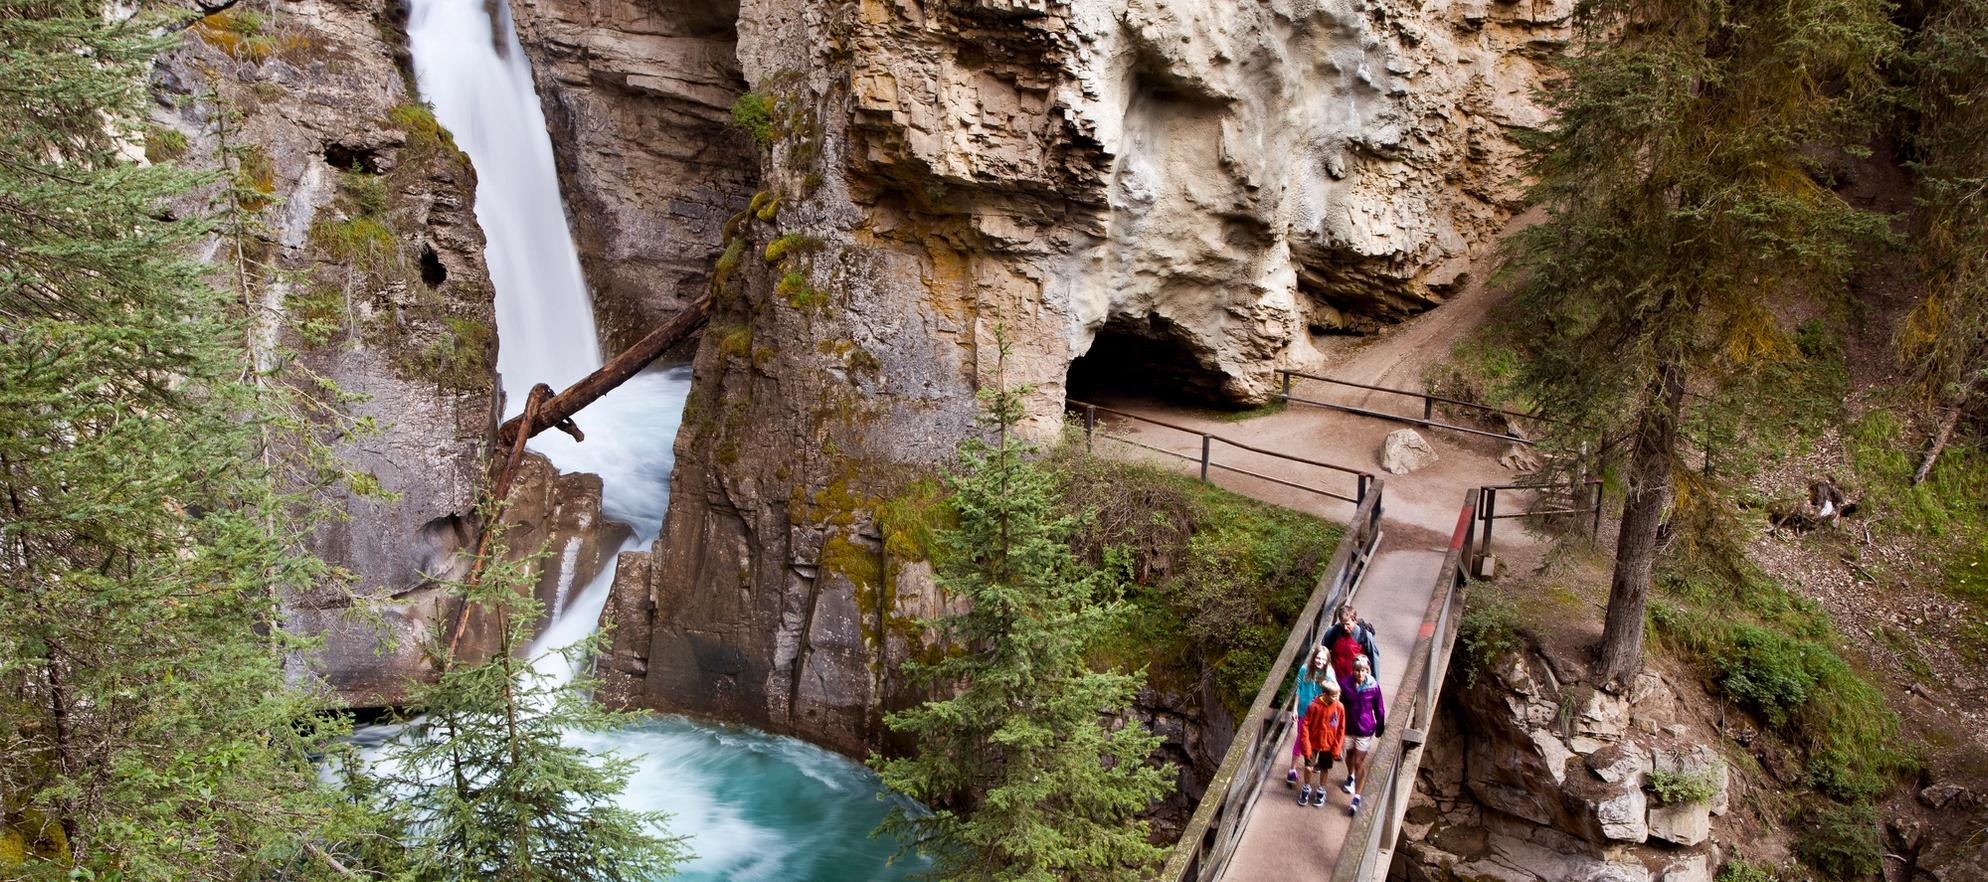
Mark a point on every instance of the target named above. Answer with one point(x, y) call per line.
point(1366, 721)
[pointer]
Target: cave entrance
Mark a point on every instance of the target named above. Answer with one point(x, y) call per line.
point(1144, 358)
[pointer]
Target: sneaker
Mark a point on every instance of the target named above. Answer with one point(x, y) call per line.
point(1349, 786)
point(1318, 798)
point(1291, 778)
point(1356, 805)
point(1305, 795)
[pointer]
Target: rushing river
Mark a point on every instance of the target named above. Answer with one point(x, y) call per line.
point(755, 806)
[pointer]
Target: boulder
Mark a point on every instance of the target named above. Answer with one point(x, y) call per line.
point(1683, 824)
point(1698, 759)
point(1405, 451)
point(1688, 868)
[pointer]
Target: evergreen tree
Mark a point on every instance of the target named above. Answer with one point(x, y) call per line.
point(146, 731)
point(1684, 206)
point(485, 785)
point(1028, 778)
point(1945, 343)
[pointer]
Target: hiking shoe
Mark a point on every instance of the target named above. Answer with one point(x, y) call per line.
point(1305, 795)
point(1349, 786)
point(1318, 797)
point(1291, 778)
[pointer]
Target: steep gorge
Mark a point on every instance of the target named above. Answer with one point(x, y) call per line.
point(1215, 185)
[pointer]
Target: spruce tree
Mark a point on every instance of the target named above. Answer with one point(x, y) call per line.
point(1027, 777)
point(146, 730)
point(1684, 206)
point(485, 785)
point(1945, 342)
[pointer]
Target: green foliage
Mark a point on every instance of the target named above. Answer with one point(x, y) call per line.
point(791, 243)
point(1776, 654)
point(1249, 413)
point(461, 357)
point(754, 113)
point(799, 294)
point(155, 486)
point(765, 205)
point(1946, 510)
point(1944, 344)
point(426, 136)
point(1217, 578)
point(488, 786)
point(163, 144)
point(1026, 778)
point(1680, 788)
point(1841, 841)
point(1491, 629)
point(1737, 870)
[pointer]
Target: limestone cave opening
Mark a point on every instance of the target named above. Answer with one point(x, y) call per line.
point(433, 273)
point(1145, 358)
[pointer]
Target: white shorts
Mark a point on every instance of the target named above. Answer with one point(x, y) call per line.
point(1365, 743)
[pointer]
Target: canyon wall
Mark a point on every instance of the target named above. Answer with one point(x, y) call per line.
point(1208, 189)
point(360, 252)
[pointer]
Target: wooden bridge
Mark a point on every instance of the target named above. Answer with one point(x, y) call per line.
point(1405, 567)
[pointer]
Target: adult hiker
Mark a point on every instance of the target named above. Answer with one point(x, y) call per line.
point(1366, 722)
point(1348, 637)
point(1313, 676)
point(1322, 739)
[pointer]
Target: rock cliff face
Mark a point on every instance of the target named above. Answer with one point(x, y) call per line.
point(1191, 190)
point(637, 94)
point(353, 211)
point(1553, 782)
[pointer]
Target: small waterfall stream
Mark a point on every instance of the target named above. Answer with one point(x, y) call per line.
point(756, 806)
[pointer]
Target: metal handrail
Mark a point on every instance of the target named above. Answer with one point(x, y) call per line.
point(1363, 481)
point(1487, 509)
point(1428, 400)
point(1384, 791)
point(1211, 835)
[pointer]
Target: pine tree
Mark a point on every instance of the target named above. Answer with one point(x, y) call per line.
point(485, 785)
point(1684, 206)
point(1945, 342)
point(146, 730)
point(1028, 778)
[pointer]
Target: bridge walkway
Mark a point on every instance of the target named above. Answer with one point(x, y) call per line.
point(1423, 539)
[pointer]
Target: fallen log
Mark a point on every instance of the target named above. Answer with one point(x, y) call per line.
point(558, 411)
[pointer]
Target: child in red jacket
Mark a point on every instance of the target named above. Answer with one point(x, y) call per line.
point(1321, 738)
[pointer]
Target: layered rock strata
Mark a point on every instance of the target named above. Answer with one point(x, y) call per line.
point(348, 221)
point(638, 96)
point(1202, 186)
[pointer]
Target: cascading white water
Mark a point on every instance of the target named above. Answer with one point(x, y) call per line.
point(755, 806)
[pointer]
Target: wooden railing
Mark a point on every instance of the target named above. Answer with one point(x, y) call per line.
point(1390, 778)
point(1429, 402)
point(1212, 834)
point(1362, 481)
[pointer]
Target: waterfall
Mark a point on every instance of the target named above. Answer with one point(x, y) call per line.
point(755, 806)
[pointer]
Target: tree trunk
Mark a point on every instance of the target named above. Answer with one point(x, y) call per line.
point(1642, 513)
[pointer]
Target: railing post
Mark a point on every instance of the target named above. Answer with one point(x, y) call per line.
point(1428, 408)
point(1366, 482)
point(1287, 382)
point(1206, 441)
point(1090, 424)
point(1594, 530)
point(1490, 500)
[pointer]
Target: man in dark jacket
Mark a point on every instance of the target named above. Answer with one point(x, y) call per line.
point(1350, 637)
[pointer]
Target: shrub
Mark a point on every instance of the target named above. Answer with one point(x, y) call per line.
point(754, 113)
point(1766, 672)
point(1841, 841)
point(1681, 788)
point(1737, 870)
point(1217, 578)
point(1491, 628)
